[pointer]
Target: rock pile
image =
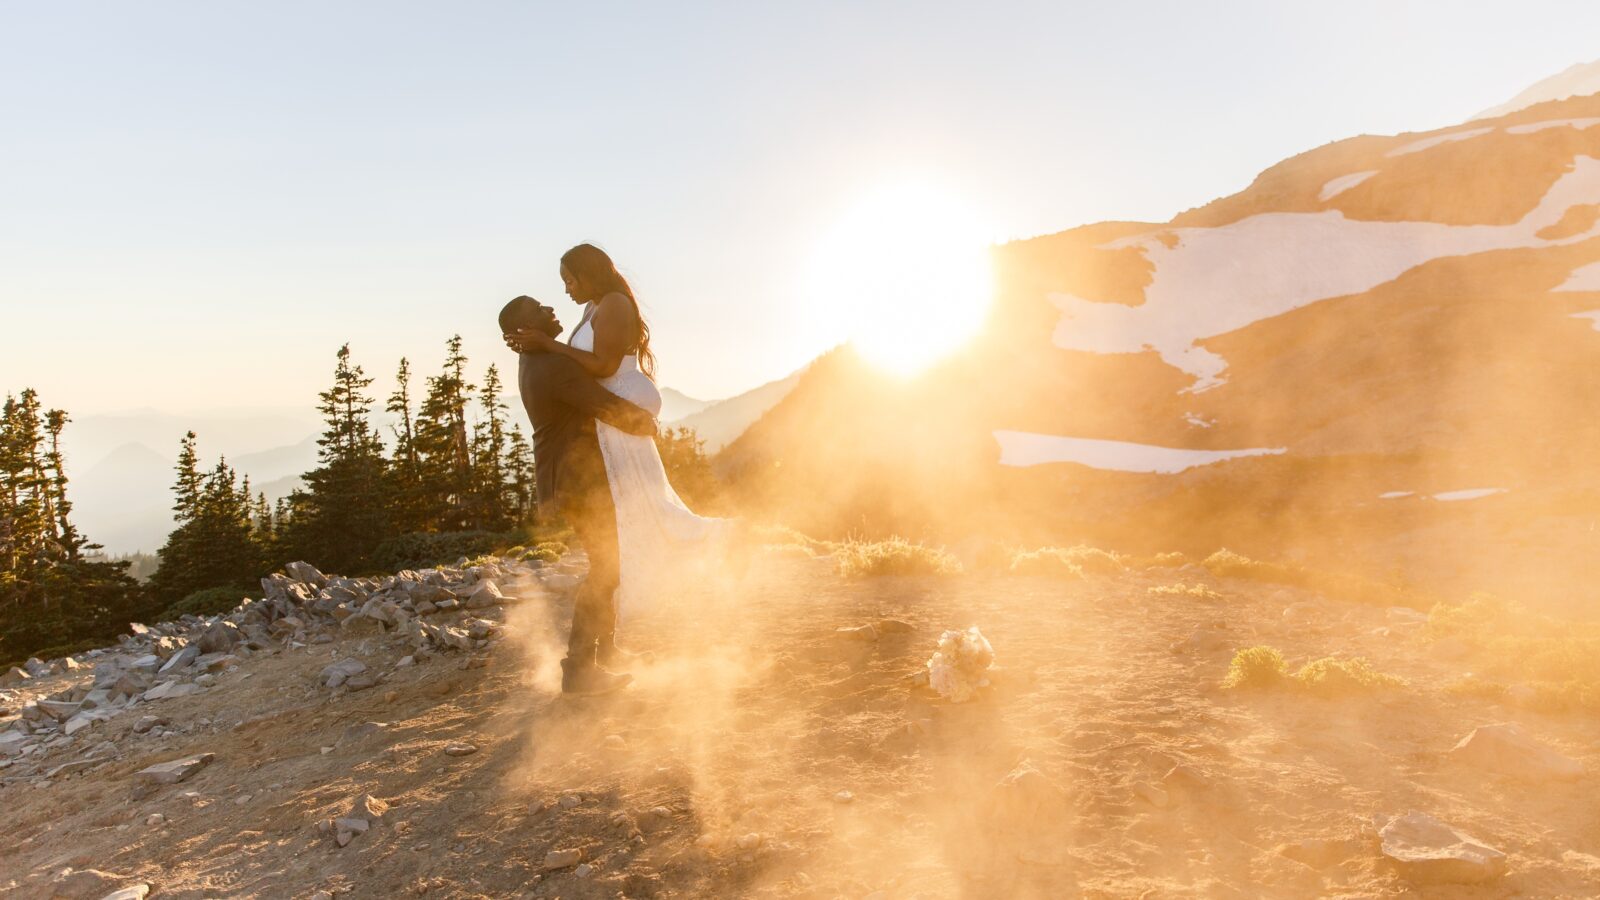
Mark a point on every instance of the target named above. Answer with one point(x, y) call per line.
point(435, 610)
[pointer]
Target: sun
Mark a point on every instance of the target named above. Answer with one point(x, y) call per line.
point(907, 271)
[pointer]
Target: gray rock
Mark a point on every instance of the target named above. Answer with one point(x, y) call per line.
point(146, 723)
point(307, 573)
point(563, 859)
point(136, 892)
point(460, 749)
point(1427, 851)
point(15, 677)
point(1505, 749)
point(60, 710)
point(176, 771)
point(338, 673)
point(220, 638)
point(182, 658)
point(171, 690)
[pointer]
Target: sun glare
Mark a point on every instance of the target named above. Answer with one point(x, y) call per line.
point(908, 270)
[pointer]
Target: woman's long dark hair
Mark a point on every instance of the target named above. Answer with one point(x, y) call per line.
point(595, 271)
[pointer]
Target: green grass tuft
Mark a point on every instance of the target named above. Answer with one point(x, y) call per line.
point(1255, 667)
point(895, 556)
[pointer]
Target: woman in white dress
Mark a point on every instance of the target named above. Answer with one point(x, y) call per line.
point(658, 537)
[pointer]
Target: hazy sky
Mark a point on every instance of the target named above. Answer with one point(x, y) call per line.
point(200, 201)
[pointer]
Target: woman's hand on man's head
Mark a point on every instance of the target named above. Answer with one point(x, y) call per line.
point(529, 341)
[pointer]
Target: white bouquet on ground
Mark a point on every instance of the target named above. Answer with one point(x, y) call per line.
point(957, 667)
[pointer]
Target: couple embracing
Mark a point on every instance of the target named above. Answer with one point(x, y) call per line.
point(593, 404)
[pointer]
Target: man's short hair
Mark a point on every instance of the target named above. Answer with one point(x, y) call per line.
point(521, 313)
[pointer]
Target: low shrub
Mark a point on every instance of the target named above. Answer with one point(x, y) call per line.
point(1332, 676)
point(1523, 657)
point(1263, 667)
point(1255, 667)
point(1182, 591)
point(424, 549)
point(895, 556)
point(1066, 562)
point(1228, 564)
point(208, 602)
point(1168, 560)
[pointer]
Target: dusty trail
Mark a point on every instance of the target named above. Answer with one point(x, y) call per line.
point(717, 773)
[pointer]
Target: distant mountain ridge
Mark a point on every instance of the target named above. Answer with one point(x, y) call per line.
point(1579, 80)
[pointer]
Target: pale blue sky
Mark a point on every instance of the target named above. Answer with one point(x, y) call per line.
point(200, 201)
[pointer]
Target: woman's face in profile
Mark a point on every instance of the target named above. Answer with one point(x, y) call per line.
point(570, 282)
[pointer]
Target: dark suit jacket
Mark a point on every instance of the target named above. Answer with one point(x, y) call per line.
point(562, 401)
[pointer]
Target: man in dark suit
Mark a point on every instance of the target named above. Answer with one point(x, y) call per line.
point(563, 402)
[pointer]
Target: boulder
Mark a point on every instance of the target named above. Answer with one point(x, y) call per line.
point(1507, 750)
point(176, 771)
point(171, 690)
point(338, 673)
point(485, 595)
point(84, 884)
point(1427, 851)
point(307, 573)
point(180, 659)
point(220, 638)
point(60, 710)
point(15, 677)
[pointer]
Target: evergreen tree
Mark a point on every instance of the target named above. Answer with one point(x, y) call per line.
point(493, 506)
point(52, 591)
point(520, 474)
point(214, 544)
point(444, 455)
point(344, 512)
point(405, 471)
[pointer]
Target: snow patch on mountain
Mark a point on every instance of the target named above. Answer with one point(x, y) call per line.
point(1468, 494)
point(1580, 80)
point(1531, 127)
point(1583, 278)
point(1343, 183)
point(1211, 281)
point(1593, 314)
point(1024, 448)
point(1423, 144)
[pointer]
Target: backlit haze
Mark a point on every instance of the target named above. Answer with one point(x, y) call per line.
point(200, 202)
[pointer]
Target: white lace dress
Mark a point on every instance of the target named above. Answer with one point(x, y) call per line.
point(659, 540)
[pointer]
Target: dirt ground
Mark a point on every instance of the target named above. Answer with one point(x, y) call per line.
point(718, 774)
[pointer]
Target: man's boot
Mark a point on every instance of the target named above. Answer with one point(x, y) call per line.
point(586, 678)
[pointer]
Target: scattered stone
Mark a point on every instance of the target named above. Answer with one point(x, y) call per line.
point(1025, 801)
point(857, 632)
point(583, 871)
point(176, 771)
point(892, 626)
point(749, 841)
point(171, 690)
point(615, 742)
point(15, 677)
point(60, 710)
point(338, 673)
point(460, 749)
point(562, 859)
point(1181, 778)
point(1505, 749)
point(568, 801)
point(220, 637)
point(307, 573)
point(180, 659)
point(1427, 851)
point(406, 662)
point(155, 820)
point(844, 797)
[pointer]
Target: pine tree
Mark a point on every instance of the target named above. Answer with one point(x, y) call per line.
point(492, 505)
point(214, 544)
point(51, 591)
point(405, 470)
point(344, 512)
point(521, 477)
point(443, 452)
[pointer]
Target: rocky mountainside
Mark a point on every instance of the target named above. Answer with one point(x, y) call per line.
point(1382, 353)
point(403, 736)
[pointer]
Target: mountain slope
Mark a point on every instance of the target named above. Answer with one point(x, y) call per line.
point(724, 420)
point(676, 405)
point(1399, 316)
point(124, 501)
point(1579, 80)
